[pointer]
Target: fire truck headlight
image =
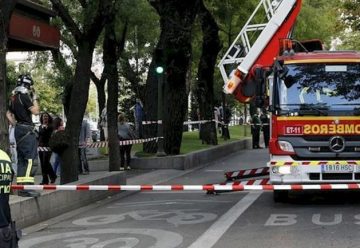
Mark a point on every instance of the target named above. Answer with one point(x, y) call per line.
point(284, 170)
point(285, 146)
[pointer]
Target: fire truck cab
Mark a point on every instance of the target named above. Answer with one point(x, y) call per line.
point(315, 123)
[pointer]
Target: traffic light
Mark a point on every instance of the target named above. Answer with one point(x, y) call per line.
point(159, 69)
point(159, 60)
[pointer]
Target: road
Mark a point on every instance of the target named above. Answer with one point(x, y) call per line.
point(199, 220)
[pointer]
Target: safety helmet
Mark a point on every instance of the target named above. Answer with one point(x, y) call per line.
point(25, 80)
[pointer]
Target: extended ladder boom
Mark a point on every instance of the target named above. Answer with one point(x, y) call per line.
point(248, 51)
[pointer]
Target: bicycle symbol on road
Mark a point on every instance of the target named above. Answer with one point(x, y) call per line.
point(84, 239)
point(175, 217)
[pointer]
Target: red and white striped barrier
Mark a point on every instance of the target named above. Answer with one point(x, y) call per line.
point(264, 181)
point(231, 175)
point(215, 187)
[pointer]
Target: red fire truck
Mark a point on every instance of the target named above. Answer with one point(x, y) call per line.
point(312, 95)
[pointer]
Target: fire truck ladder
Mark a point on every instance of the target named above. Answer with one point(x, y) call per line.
point(250, 42)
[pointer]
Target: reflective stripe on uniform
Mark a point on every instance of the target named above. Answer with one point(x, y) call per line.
point(25, 180)
point(29, 167)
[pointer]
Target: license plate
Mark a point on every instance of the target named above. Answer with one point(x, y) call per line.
point(337, 168)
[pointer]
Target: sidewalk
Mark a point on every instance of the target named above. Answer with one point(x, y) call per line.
point(28, 211)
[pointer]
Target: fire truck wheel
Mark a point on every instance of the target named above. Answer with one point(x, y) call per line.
point(280, 195)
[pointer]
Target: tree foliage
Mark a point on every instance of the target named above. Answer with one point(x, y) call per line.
point(349, 24)
point(317, 20)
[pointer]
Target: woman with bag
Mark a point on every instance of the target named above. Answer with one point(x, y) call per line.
point(125, 132)
point(45, 132)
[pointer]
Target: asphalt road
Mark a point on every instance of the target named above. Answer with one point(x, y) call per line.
point(199, 220)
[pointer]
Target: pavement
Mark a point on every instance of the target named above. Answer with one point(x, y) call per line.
point(27, 211)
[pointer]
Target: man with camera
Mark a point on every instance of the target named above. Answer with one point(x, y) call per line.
point(24, 103)
point(8, 233)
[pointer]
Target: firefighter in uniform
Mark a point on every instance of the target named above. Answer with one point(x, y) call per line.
point(23, 104)
point(8, 234)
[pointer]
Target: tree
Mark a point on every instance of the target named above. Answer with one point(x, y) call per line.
point(6, 7)
point(312, 25)
point(113, 47)
point(205, 84)
point(176, 21)
point(349, 25)
point(85, 34)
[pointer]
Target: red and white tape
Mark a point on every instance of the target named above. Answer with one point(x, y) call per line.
point(100, 144)
point(247, 173)
point(151, 122)
point(230, 187)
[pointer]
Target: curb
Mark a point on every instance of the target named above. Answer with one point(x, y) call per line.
point(181, 162)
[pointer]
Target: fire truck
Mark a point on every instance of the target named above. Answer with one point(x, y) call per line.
point(312, 95)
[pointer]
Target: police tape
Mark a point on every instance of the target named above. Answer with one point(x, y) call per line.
point(210, 187)
point(101, 144)
point(151, 122)
point(203, 122)
point(185, 123)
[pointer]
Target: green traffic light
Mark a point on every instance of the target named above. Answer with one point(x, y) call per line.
point(159, 70)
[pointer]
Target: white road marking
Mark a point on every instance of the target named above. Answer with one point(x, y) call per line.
point(160, 238)
point(216, 231)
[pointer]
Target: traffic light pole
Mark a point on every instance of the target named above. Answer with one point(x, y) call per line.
point(160, 147)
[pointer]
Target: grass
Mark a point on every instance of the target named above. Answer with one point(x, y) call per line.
point(191, 142)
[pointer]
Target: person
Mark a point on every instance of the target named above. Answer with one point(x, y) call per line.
point(103, 123)
point(8, 233)
point(265, 122)
point(217, 117)
point(139, 117)
point(58, 126)
point(24, 103)
point(125, 132)
point(45, 131)
point(226, 121)
point(255, 129)
point(84, 139)
point(12, 142)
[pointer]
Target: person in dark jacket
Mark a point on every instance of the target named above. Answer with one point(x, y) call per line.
point(125, 132)
point(255, 129)
point(45, 131)
point(8, 234)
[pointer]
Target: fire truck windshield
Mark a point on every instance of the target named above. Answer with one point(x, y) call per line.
point(320, 89)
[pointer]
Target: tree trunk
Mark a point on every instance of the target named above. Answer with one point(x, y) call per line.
point(176, 21)
point(7, 7)
point(78, 100)
point(205, 88)
point(110, 57)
